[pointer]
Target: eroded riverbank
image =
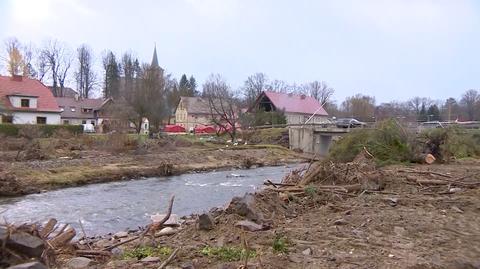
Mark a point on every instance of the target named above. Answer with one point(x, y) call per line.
point(118, 206)
point(27, 177)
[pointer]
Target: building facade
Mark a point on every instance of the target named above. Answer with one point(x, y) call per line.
point(27, 101)
point(192, 111)
point(298, 108)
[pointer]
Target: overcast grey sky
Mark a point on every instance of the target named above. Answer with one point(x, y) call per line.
point(392, 49)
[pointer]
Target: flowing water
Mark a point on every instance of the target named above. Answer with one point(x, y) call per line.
point(116, 206)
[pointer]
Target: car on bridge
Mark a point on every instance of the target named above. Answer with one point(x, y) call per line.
point(349, 123)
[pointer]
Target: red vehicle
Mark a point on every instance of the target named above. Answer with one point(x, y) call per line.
point(200, 129)
point(174, 129)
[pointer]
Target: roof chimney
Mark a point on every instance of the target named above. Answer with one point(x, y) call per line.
point(17, 78)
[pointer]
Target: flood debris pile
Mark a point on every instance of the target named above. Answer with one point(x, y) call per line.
point(391, 142)
point(35, 245)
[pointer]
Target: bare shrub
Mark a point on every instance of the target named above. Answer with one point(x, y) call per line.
point(38, 151)
point(118, 142)
point(30, 132)
point(62, 133)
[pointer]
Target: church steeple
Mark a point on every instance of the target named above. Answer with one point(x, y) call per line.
point(155, 58)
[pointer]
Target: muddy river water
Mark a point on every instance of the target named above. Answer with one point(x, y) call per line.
point(117, 206)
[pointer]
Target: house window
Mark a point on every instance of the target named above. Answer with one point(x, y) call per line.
point(41, 120)
point(25, 103)
point(66, 122)
point(92, 122)
point(84, 122)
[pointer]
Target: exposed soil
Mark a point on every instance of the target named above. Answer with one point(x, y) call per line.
point(400, 223)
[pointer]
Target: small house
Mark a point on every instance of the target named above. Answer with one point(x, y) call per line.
point(298, 108)
point(27, 101)
point(193, 111)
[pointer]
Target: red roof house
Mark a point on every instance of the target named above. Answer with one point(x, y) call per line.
point(298, 108)
point(27, 101)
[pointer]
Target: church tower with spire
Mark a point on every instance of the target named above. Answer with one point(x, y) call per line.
point(155, 59)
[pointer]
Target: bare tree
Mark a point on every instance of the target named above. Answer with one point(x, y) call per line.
point(359, 106)
point(320, 91)
point(254, 86)
point(14, 59)
point(471, 101)
point(84, 75)
point(278, 86)
point(153, 88)
point(222, 103)
point(28, 52)
point(55, 60)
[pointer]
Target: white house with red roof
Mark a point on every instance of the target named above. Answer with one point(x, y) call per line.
point(27, 101)
point(298, 108)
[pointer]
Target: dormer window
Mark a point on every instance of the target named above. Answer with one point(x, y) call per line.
point(72, 108)
point(62, 108)
point(87, 110)
point(25, 102)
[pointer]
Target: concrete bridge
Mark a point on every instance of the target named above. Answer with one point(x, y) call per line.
point(314, 139)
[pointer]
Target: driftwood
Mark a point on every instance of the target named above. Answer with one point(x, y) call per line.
point(158, 225)
point(62, 238)
point(150, 228)
point(90, 253)
point(276, 185)
point(339, 188)
point(48, 228)
point(424, 172)
point(169, 259)
point(120, 243)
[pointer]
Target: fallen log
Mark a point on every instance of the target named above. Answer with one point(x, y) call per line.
point(48, 228)
point(158, 225)
point(276, 185)
point(82, 252)
point(424, 172)
point(169, 259)
point(424, 158)
point(62, 238)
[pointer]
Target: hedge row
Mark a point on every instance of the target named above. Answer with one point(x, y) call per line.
point(45, 130)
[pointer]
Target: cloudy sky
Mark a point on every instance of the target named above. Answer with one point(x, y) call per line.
point(392, 49)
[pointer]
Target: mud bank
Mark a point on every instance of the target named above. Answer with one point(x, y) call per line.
point(21, 178)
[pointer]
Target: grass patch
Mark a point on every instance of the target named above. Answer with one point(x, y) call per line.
point(228, 254)
point(143, 252)
point(310, 191)
point(280, 245)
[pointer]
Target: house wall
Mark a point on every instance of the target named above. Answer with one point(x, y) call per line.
point(72, 121)
point(31, 117)
point(191, 121)
point(188, 120)
point(16, 101)
point(296, 118)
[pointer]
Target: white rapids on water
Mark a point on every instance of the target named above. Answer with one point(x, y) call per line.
point(116, 206)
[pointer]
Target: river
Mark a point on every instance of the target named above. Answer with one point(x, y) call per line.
point(117, 206)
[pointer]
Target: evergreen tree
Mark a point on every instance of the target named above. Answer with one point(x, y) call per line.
point(111, 87)
point(192, 86)
point(184, 86)
point(422, 115)
point(433, 113)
